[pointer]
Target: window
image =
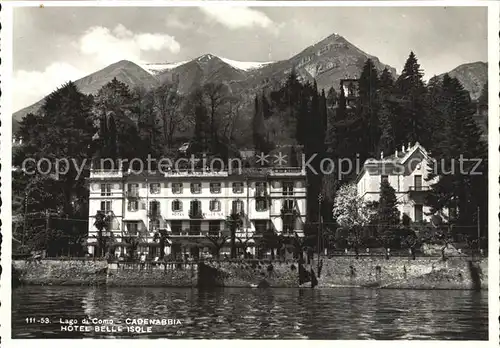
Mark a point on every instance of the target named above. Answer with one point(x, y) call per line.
point(154, 209)
point(154, 225)
point(288, 225)
point(418, 182)
point(260, 189)
point(213, 227)
point(105, 189)
point(260, 204)
point(418, 213)
point(195, 209)
point(384, 178)
point(106, 206)
point(133, 190)
point(154, 188)
point(237, 187)
point(176, 205)
point(132, 228)
point(214, 205)
point(177, 187)
point(215, 187)
point(288, 188)
point(133, 205)
point(237, 207)
point(288, 204)
point(176, 227)
point(195, 187)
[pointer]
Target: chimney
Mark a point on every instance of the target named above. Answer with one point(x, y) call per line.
point(396, 153)
point(382, 155)
point(403, 149)
point(409, 145)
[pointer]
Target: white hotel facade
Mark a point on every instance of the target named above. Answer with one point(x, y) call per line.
point(191, 205)
point(407, 171)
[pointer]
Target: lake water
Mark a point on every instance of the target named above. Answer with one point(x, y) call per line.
point(341, 313)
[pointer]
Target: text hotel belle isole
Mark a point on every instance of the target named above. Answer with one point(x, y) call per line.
point(139, 325)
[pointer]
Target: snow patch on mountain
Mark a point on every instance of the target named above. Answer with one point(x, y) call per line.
point(244, 65)
point(156, 68)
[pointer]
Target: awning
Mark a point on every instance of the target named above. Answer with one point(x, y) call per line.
point(130, 219)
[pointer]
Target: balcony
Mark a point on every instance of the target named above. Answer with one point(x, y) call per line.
point(195, 214)
point(419, 188)
point(286, 211)
point(418, 193)
point(132, 195)
point(154, 214)
point(261, 193)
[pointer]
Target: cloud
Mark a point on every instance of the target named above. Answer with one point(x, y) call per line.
point(176, 23)
point(239, 17)
point(31, 86)
point(109, 46)
point(99, 46)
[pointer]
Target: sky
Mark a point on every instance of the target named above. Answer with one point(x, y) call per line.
point(53, 45)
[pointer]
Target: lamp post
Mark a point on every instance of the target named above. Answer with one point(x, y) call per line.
point(320, 227)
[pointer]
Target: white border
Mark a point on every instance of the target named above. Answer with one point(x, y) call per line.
point(6, 146)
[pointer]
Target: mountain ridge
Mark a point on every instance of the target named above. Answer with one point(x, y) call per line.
point(327, 61)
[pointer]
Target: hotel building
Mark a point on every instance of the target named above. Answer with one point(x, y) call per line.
point(190, 206)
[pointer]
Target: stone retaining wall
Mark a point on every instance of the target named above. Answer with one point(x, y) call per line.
point(54, 272)
point(249, 273)
point(402, 273)
point(376, 272)
point(159, 275)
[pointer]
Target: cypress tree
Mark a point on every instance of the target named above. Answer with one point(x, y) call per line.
point(367, 108)
point(412, 124)
point(459, 180)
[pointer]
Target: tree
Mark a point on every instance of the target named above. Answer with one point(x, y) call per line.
point(367, 108)
point(167, 104)
point(218, 242)
point(216, 95)
point(234, 222)
point(387, 140)
point(102, 222)
point(412, 124)
point(352, 214)
point(459, 180)
point(258, 127)
point(387, 215)
point(117, 107)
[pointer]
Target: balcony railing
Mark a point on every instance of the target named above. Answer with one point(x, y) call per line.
point(289, 211)
point(154, 213)
point(419, 188)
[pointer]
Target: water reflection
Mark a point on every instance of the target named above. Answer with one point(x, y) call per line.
point(344, 313)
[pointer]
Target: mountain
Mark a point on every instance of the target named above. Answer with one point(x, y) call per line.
point(328, 61)
point(124, 71)
point(204, 69)
point(472, 76)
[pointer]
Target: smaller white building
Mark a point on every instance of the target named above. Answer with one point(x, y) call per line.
point(407, 171)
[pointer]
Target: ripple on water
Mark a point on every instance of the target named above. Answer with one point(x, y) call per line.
point(339, 313)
